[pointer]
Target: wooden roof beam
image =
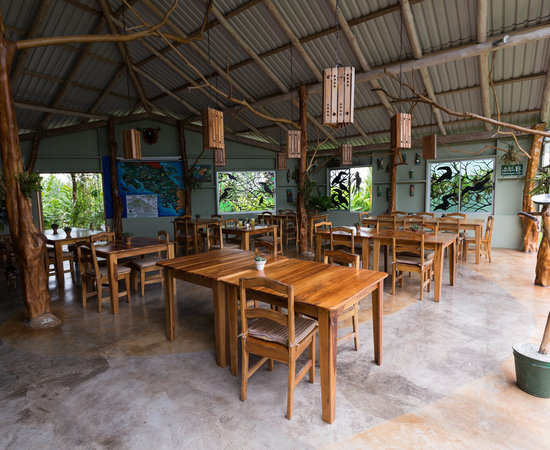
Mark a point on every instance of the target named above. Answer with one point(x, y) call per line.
point(545, 102)
point(483, 61)
point(59, 111)
point(412, 32)
point(123, 50)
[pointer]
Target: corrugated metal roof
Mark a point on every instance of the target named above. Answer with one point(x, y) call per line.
point(382, 38)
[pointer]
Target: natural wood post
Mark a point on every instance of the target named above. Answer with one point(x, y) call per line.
point(34, 152)
point(300, 205)
point(186, 172)
point(28, 242)
point(393, 179)
point(542, 270)
point(117, 201)
point(530, 233)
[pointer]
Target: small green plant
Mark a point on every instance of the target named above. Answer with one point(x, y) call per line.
point(415, 227)
point(541, 184)
point(67, 229)
point(29, 183)
point(357, 224)
point(127, 234)
point(510, 156)
point(55, 226)
point(258, 257)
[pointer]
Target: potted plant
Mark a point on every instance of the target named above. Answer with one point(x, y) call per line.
point(67, 231)
point(260, 261)
point(415, 227)
point(127, 235)
point(358, 226)
point(55, 226)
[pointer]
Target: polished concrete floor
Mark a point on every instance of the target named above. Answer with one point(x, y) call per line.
point(447, 378)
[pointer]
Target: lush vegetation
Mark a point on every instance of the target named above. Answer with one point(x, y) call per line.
point(351, 189)
point(246, 191)
point(74, 200)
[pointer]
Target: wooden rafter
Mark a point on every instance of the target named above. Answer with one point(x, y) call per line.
point(124, 54)
point(23, 55)
point(61, 111)
point(412, 32)
point(483, 61)
point(545, 105)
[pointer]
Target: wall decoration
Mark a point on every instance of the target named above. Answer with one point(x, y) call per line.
point(388, 194)
point(241, 191)
point(380, 163)
point(511, 170)
point(404, 157)
point(417, 158)
point(202, 172)
point(411, 173)
point(378, 191)
point(411, 190)
point(289, 196)
point(150, 135)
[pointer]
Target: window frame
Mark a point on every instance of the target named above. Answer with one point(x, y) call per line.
point(247, 211)
point(461, 161)
point(350, 168)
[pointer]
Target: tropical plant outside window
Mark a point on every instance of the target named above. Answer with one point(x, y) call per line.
point(462, 186)
point(351, 188)
point(246, 191)
point(73, 199)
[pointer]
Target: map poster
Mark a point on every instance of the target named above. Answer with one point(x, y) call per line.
point(141, 206)
point(161, 179)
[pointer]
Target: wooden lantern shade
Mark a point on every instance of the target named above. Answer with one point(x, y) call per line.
point(212, 129)
point(131, 144)
point(219, 157)
point(338, 96)
point(400, 131)
point(281, 161)
point(346, 155)
point(293, 144)
point(429, 146)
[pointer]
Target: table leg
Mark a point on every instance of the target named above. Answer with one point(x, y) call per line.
point(328, 329)
point(365, 253)
point(220, 321)
point(377, 310)
point(196, 238)
point(438, 272)
point(310, 233)
point(170, 253)
point(59, 270)
point(233, 330)
point(318, 248)
point(478, 244)
point(169, 305)
point(386, 257)
point(376, 255)
point(113, 282)
point(452, 262)
point(245, 241)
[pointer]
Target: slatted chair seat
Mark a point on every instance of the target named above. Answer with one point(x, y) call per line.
point(148, 261)
point(413, 259)
point(271, 331)
point(142, 266)
point(104, 271)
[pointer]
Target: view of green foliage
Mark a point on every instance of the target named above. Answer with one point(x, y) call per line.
point(351, 189)
point(246, 191)
point(76, 209)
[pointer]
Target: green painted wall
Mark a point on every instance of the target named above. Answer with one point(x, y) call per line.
point(83, 151)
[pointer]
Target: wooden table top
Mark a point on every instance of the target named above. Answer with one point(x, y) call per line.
point(429, 238)
point(467, 221)
point(76, 233)
point(363, 232)
point(245, 229)
point(120, 246)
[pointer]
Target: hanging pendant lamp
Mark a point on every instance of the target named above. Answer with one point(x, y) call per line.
point(281, 161)
point(346, 154)
point(293, 144)
point(429, 146)
point(131, 144)
point(338, 96)
point(400, 131)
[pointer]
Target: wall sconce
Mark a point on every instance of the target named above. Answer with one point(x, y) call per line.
point(378, 191)
point(404, 157)
point(380, 163)
point(417, 158)
point(388, 194)
point(411, 190)
point(411, 173)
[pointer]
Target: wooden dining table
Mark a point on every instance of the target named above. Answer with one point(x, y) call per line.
point(465, 224)
point(437, 242)
point(59, 240)
point(114, 251)
point(361, 236)
point(320, 290)
point(244, 232)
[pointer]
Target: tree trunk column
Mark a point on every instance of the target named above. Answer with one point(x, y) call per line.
point(28, 242)
point(530, 233)
point(117, 201)
point(300, 205)
point(393, 180)
point(185, 166)
point(542, 271)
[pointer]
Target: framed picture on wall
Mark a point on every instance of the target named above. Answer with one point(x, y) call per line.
point(203, 172)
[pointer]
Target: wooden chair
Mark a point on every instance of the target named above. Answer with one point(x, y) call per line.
point(387, 222)
point(105, 237)
point(342, 257)
point(409, 255)
point(470, 242)
point(398, 213)
point(141, 267)
point(273, 335)
point(291, 229)
point(347, 242)
point(452, 225)
point(457, 214)
point(50, 262)
point(264, 216)
point(284, 212)
point(232, 239)
point(325, 226)
point(362, 216)
point(413, 222)
point(183, 235)
point(267, 246)
point(213, 239)
point(92, 274)
point(278, 221)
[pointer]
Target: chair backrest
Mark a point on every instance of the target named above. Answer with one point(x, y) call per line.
point(325, 226)
point(105, 237)
point(408, 242)
point(162, 236)
point(216, 217)
point(489, 229)
point(363, 215)
point(398, 213)
point(348, 234)
point(87, 258)
point(425, 214)
point(341, 257)
point(231, 222)
point(286, 211)
point(265, 216)
point(457, 214)
point(387, 222)
point(270, 220)
point(214, 235)
point(449, 224)
point(266, 245)
point(251, 311)
point(413, 221)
